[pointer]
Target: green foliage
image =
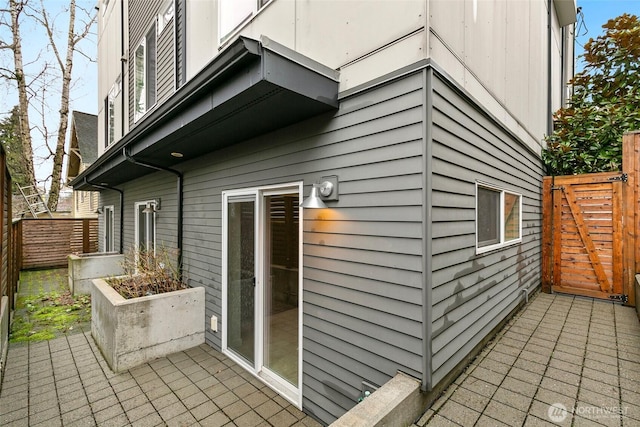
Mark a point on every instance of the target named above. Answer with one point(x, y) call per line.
point(12, 144)
point(48, 315)
point(606, 103)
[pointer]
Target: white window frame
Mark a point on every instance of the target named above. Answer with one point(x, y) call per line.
point(166, 14)
point(140, 95)
point(253, 8)
point(137, 225)
point(502, 242)
point(141, 102)
point(286, 390)
point(109, 234)
point(115, 90)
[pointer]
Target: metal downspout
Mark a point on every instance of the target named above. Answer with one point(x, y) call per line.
point(180, 199)
point(122, 62)
point(86, 181)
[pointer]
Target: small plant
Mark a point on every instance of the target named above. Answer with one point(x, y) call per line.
point(148, 273)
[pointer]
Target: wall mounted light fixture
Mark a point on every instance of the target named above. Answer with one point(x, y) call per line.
point(325, 190)
point(152, 207)
point(99, 210)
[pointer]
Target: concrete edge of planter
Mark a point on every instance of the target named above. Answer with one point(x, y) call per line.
point(83, 268)
point(398, 402)
point(4, 333)
point(636, 289)
point(133, 331)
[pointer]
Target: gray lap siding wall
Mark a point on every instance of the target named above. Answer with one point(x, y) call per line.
point(363, 257)
point(472, 293)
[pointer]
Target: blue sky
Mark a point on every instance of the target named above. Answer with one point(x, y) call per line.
point(596, 13)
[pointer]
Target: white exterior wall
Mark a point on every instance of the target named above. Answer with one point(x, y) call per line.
point(109, 65)
point(497, 50)
point(363, 39)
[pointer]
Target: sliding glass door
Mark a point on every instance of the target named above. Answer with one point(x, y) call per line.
point(262, 284)
point(241, 277)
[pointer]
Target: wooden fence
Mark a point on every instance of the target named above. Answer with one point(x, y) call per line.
point(590, 224)
point(45, 243)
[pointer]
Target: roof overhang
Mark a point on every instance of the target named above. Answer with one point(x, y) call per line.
point(251, 88)
point(566, 11)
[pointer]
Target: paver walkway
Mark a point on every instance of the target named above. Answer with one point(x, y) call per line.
point(560, 352)
point(36, 282)
point(66, 381)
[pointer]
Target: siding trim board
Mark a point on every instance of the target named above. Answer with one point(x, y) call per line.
point(427, 253)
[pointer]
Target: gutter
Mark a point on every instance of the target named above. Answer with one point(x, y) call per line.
point(180, 183)
point(104, 187)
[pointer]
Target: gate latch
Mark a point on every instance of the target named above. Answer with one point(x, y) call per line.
point(619, 298)
point(623, 177)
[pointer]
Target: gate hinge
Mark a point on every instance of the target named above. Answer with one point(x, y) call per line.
point(561, 188)
point(623, 177)
point(619, 298)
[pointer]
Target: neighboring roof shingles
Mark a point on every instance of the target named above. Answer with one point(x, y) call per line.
point(86, 127)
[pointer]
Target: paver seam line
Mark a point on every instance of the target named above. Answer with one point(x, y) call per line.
point(615, 334)
point(539, 322)
point(91, 348)
point(174, 364)
point(499, 337)
point(571, 305)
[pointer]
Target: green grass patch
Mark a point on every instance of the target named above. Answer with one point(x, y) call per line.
point(49, 315)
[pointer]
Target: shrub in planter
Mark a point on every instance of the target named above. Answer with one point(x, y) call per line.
point(146, 313)
point(148, 273)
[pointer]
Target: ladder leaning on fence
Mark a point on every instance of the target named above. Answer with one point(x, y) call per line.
point(34, 200)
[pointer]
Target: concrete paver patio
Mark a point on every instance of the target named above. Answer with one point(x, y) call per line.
point(66, 381)
point(559, 352)
point(562, 360)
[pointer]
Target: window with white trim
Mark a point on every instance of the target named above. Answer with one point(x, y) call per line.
point(145, 224)
point(498, 217)
point(144, 71)
point(234, 13)
point(165, 16)
point(110, 112)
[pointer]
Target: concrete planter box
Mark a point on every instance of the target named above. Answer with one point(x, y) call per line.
point(130, 332)
point(83, 268)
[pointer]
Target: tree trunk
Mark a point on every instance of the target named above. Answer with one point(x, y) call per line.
point(25, 126)
point(66, 68)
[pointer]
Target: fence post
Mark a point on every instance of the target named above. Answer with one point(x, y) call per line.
point(86, 244)
point(630, 166)
point(547, 229)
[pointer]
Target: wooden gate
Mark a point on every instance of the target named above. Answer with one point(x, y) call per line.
point(589, 231)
